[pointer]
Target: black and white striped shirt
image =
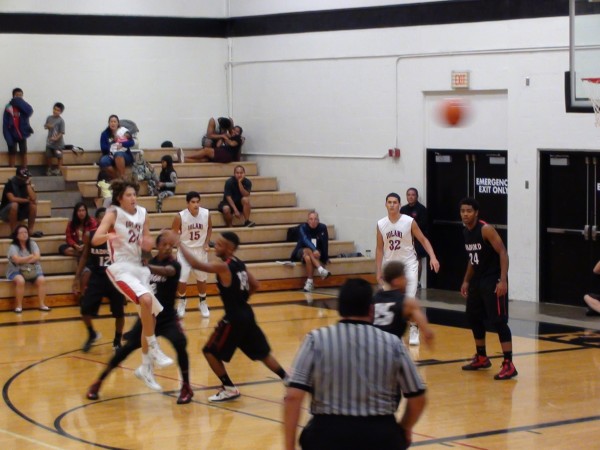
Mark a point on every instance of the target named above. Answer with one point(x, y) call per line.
point(354, 369)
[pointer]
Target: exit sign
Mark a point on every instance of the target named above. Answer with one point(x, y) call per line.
point(460, 79)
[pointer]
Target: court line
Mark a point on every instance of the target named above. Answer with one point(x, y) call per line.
point(28, 439)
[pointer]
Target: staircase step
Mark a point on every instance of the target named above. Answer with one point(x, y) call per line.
point(89, 189)
point(48, 226)
point(61, 199)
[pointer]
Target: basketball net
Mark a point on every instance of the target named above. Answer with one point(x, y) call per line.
point(592, 88)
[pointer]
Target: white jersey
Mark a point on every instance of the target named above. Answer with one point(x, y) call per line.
point(130, 229)
point(397, 240)
point(194, 229)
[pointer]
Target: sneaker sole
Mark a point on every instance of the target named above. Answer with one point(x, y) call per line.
point(224, 399)
point(156, 387)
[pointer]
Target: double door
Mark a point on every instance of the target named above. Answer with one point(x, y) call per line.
point(451, 176)
point(569, 235)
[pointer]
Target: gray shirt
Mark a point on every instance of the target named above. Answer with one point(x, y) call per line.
point(12, 268)
point(354, 369)
point(58, 126)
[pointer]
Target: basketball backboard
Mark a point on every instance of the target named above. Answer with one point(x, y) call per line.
point(584, 52)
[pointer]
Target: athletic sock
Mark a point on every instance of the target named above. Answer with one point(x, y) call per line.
point(508, 355)
point(146, 361)
point(151, 340)
point(481, 350)
point(91, 331)
point(226, 381)
point(118, 337)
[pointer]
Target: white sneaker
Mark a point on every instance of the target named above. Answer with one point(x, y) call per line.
point(324, 272)
point(308, 286)
point(204, 309)
point(225, 394)
point(180, 155)
point(181, 307)
point(145, 374)
point(159, 359)
point(413, 335)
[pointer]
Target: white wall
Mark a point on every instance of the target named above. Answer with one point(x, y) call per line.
point(352, 95)
point(169, 86)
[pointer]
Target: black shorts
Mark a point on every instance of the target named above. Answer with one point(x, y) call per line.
point(224, 203)
point(483, 303)
point(99, 287)
point(325, 432)
point(12, 149)
point(245, 335)
point(22, 212)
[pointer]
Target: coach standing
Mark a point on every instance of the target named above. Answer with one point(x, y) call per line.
point(357, 375)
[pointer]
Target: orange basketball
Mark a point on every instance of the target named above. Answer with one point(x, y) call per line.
point(453, 111)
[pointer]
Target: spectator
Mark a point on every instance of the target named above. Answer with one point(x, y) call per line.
point(24, 265)
point(16, 127)
point(167, 181)
point(80, 223)
point(593, 300)
point(104, 189)
point(19, 202)
point(418, 212)
point(55, 143)
point(227, 149)
point(312, 248)
point(217, 129)
point(115, 144)
point(236, 198)
point(356, 389)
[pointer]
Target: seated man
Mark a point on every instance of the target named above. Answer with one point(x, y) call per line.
point(236, 198)
point(227, 149)
point(19, 202)
point(217, 129)
point(312, 248)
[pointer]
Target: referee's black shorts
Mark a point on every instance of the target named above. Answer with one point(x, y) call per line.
point(100, 286)
point(245, 335)
point(324, 432)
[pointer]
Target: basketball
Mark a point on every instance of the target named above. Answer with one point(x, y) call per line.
point(453, 111)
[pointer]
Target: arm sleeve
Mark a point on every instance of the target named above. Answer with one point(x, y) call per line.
point(104, 143)
point(228, 190)
point(69, 234)
point(24, 107)
point(247, 184)
point(301, 376)
point(304, 240)
point(171, 184)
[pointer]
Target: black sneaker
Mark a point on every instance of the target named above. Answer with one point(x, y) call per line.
point(117, 345)
point(92, 392)
point(88, 344)
point(249, 224)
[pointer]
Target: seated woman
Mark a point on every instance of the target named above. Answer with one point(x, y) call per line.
point(228, 149)
point(115, 144)
point(80, 223)
point(215, 130)
point(24, 266)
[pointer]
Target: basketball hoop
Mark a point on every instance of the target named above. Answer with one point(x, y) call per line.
point(592, 88)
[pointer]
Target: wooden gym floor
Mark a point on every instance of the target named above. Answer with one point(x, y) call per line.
point(554, 403)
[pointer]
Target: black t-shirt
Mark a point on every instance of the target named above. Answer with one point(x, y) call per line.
point(165, 288)
point(99, 259)
point(389, 312)
point(15, 186)
point(235, 296)
point(482, 256)
point(419, 213)
point(232, 189)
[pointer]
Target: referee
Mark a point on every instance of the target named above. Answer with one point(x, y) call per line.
point(357, 375)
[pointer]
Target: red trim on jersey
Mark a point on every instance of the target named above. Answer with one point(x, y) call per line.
point(124, 289)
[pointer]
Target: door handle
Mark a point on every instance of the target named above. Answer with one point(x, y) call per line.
point(586, 232)
point(594, 232)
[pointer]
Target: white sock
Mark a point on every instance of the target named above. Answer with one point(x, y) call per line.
point(151, 340)
point(321, 269)
point(146, 361)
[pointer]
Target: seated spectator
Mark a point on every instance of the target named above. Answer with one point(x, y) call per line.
point(312, 249)
point(167, 181)
point(80, 223)
point(227, 149)
point(19, 201)
point(104, 189)
point(115, 144)
point(236, 198)
point(24, 266)
point(217, 129)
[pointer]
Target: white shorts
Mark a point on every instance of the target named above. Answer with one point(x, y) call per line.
point(201, 256)
point(411, 272)
point(133, 281)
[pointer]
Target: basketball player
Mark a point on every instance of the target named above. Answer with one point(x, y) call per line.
point(238, 328)
point(395, 234)
point(165, 276)
point(125, 227)
point(393, 308)
point(96, 259)
point(194, 226)
point(485, 287)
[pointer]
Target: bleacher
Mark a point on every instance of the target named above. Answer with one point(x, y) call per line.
point(264, 247)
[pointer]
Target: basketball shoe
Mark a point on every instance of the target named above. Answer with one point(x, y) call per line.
point(186, 394)
point(507, 371)
point(145, 374)
point(324, 273)
point(309, 285)
point(478, 362)
point(92, 392)
point(413, 335)
point(88, 344)
point(204, 309)
point(225, 394)
point(181, 304)
point(159, 359)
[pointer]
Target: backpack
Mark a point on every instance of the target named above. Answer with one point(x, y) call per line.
point(293, 234)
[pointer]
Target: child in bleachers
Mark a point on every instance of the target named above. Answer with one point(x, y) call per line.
point(166, 181)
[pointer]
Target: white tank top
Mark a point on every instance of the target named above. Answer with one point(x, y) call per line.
point(194, 229)
point(397, 239)
point(129, 228)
